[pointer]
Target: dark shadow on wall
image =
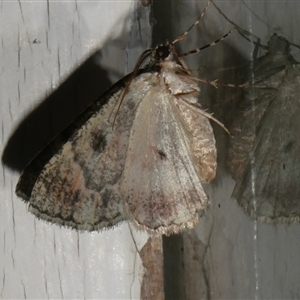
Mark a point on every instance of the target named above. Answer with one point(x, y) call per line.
point(55, 113)
point(60, 108)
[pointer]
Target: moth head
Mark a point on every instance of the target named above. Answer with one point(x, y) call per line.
point(163, 52)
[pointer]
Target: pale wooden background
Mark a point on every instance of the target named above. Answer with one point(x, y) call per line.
point(82, 48)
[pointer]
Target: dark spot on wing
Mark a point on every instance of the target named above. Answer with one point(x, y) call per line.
point(98, 141)
point(162, 154)
point(106, 197)
point(130, 105)
point(77, 196)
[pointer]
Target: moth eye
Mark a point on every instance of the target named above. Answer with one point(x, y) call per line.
point(162, 52)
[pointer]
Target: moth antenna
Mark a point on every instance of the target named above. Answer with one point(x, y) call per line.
point(197, 50)
point(244, 33)
point(183, 36)
point(140, 61)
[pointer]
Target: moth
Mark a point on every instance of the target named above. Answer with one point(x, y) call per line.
point(141, 152)
point(264, 151)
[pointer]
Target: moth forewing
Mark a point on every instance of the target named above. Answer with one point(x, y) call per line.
point(72, 188)
point(165, 166)
point(79, 186)
point(161, 187)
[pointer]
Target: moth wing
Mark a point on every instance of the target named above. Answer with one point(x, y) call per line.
point(268, 72)
point(161, 184)
point(79, 185)
point(244, 130)
point(269, 189)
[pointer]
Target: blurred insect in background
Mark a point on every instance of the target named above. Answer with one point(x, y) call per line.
point(264, 150)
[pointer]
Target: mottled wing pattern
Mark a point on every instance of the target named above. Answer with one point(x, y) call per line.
point(171, 153)
point(79, 186)
point(264, 154)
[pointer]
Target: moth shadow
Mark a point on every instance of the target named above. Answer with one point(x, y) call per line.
point(55, 112)
point(77, 92)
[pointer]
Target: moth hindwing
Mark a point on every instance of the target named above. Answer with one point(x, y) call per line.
point(140, 152)
point(264, 150)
